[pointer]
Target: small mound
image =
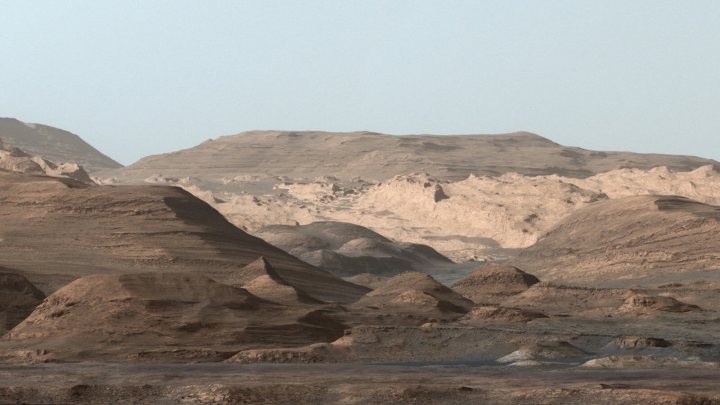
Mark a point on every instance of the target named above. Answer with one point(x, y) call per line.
point(544, 351)
point(367, 280)
point(488, 314)
point(18, 298)
point(494, 281)
point(560, 299)
point(346, 266)
point(418, 290)
point(315, 353)
point(368, 247)
point(644, 303)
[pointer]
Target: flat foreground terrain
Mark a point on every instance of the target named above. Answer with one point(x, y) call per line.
point(350, 384)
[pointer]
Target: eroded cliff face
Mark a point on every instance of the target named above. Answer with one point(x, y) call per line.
point(474, 218)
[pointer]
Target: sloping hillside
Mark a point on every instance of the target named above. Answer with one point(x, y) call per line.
point(616, 241)
point(54, 144)
point(55, 230)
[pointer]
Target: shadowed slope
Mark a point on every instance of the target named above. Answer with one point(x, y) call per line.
point(18, 298)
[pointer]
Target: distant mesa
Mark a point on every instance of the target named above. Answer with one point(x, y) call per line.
point(372, 156)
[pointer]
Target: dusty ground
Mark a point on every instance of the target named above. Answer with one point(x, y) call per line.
point(351, 384)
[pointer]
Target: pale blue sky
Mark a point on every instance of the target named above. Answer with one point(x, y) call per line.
point(141, 77)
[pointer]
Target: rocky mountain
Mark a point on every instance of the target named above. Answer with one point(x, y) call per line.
point(53, 144)
point(620, 241)
point(55, 230)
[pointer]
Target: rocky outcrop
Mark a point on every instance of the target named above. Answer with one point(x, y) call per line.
point(15, 160)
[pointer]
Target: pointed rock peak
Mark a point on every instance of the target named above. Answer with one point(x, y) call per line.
point(260, 267)
point(415, 288)
point(278, 291)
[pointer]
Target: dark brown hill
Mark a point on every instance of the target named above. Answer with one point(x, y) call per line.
point(55, 230)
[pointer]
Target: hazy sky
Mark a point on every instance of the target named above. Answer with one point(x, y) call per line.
point(141, 77)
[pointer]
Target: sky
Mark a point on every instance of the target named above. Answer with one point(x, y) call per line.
point(135, 78)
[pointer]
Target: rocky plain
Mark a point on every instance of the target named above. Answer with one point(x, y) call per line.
point(357, 268)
